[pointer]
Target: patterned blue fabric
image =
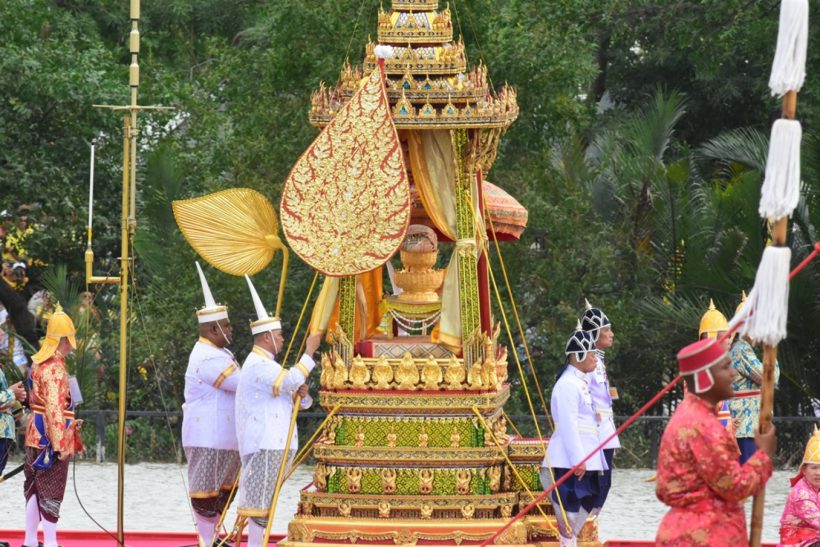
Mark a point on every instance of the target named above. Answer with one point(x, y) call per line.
point(6, 400)
point(746, 410)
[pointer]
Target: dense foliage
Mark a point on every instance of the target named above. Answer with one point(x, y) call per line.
point(638, 153)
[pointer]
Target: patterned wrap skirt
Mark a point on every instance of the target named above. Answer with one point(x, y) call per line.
point(260, 470)
point(47, 484)
point(212, 473)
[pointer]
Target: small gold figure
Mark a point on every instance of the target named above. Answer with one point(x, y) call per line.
point(391, 437)
point(423, 438)
point(501, 367)
point(339, 372)
point(463, 477)
point(426, 511)
point(359, 375)
point(455, 438)
point(382, 374)
point(431, 375)
point(307, 508)
point(326, 377)
point(319, 476)
point(359, 437)
point(474, 379)
point(500, 430)
point(468, 510)
point(354, 479)
point(384, 509)
point(388, 480)
point(344, 509)
point(506, 511)
point(406, 375)
point(455, 374)
point(426, 481)
point(488, 373)
point(495, 478)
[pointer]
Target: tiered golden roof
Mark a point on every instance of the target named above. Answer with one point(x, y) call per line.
point(428, 81)
point(421, 27)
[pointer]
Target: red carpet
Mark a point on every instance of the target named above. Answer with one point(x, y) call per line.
point(88, 538)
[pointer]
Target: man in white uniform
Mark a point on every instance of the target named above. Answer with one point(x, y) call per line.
point(596, 323)
point(575, 436)
point(208, 425)
point(264, 406)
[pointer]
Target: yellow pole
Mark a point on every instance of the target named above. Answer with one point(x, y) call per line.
point(281, 476)
point(123, 333)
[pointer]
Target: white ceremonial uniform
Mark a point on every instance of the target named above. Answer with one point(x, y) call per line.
point(576, 425)
point(264, 401)
point(264, 406)
point(602, 402)
point(211, 380)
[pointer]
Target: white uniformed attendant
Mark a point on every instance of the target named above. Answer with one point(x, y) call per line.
point(575, 436)
point(264, 406)
point(208, 424)
point(598, 325)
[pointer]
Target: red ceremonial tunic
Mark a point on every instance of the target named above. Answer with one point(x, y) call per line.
point(701, 479)
point(50, 397)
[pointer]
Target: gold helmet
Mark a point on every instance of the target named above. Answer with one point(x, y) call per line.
point(712, 322)
point(742, 302)
point(60, 326)
point(812, 453)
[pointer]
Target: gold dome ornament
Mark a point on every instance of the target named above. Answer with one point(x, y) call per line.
point(59, 326)
point(712, 322)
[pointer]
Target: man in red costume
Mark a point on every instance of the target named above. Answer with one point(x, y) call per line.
point(699, 475)
point(51, 437)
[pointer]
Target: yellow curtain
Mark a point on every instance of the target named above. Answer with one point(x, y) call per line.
point(325, 303)
point(368, 315)
point(433, 163)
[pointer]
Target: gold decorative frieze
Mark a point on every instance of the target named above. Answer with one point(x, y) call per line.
point(305, 531)
point(417, 402)
point(415, 27)
point(414, 5)
point(527, 450)
point(404, 456)
point(448, 59)
point(409, 374)
point(410, 481)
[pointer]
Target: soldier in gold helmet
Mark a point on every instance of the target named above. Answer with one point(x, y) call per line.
point(745, 405)
point(800, 523)
point(52, 434)
point(713, 324)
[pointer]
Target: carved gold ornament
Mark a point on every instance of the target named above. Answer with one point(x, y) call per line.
point(426, 511)
point(423, 438)
point(431, 375)
point(463, 477)
point(489, 375)
point(468, 510)
point(391, 437)
point(359, 437)
point(455, 438)
point(382, 374)
point(495, 478)
point(326, 376)
point(339, 372)
point(354, 479)
point(359, 374)
point(384, 509)
point(474, 378)
point(426, 481)
point(319, 476)
point(388, 480)
point(346, 202)
point(456, 373)
point(406, 375)
point(506, 511)
point(344, 509)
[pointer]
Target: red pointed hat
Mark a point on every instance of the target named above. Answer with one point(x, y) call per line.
point(696, 359)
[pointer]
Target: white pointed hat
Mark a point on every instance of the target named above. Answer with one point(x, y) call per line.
point(264, 322)
point(211, 311)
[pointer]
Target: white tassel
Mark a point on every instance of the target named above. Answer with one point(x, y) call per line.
point(768, 302)
point(781, 187)
point(383, 51)
point(789, 65)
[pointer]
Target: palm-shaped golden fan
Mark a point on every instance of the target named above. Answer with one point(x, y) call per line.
point(236, 231)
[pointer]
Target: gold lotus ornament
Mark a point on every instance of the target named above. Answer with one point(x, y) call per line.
point(339, 372)
point(406, 375)
point(431, 375)
point(359, 375)
point(235, 230)
point(455, 374)
point(474, 378)
point(382, 374)
point(346, 202)
point(326, 376)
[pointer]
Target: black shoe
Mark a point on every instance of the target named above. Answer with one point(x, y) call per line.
point(216, 543)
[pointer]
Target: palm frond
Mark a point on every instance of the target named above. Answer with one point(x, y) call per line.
point(746, 146)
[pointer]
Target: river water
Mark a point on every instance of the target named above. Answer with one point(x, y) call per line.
point(155, 499)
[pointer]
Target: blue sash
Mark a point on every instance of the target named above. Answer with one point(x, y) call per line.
point(46, 457)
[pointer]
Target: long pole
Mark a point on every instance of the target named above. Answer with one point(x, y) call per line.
point(280, 478)
point(779, 237)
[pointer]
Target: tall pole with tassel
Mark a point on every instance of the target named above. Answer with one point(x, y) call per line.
point(779, 196)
